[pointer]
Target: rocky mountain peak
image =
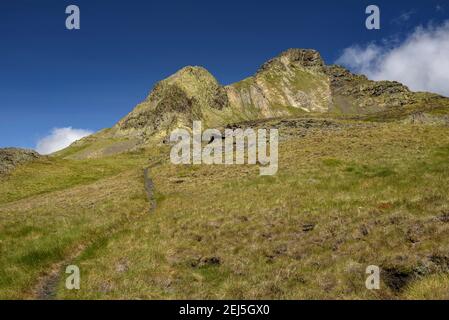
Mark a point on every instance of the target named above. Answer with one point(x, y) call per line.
point(175, 101)
point(306, 58)
point(295, 81)
point(303, 57)
point(193, 72)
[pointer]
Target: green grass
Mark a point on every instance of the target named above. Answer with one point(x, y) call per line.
point(52, 208)
point(435, 287)
point(55, 173)
point(383, 211)
point(342, 200)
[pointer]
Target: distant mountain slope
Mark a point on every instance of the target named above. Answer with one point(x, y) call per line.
point(295, 81)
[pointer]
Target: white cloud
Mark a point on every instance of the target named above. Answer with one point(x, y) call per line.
point(60, 138)
point(421, 61)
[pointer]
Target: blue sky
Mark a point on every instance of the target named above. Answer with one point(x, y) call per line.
point(51, 77)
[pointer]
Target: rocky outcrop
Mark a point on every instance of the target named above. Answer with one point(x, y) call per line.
point(292, 80)
point(10, 158)
point(357, 95)
point(175, 102)
point(307, 58)
point(427, 119)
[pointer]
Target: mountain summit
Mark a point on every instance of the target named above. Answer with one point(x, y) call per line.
point(295, 82)
point(187, 95)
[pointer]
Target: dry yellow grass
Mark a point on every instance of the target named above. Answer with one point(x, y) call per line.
point(39, 231)
point(347, 195)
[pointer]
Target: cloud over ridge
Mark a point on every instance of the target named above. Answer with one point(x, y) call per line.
point(421, 61)
point(60, 138)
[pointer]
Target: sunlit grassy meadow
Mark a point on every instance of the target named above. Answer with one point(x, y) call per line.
point(348, 194)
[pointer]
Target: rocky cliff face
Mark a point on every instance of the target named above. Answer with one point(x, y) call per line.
point(189, 94)
point(295, 79)
point(12, 157)
point(356, 94)
point(299, 78)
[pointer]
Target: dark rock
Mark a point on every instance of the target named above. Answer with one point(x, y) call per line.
point(308, 227)
point(444, 217)
point(206, 261)
point(300, 57)
point(10, 158)
point(397, 279)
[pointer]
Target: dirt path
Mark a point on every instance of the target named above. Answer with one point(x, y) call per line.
point(46, 288)
point(48, 283)
point(149, 189)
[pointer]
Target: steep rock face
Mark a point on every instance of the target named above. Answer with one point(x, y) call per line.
point(294, 79)
point(356, 94)
point(307, 58)
point(12, 157)
point(175, 102)
point(299, 79)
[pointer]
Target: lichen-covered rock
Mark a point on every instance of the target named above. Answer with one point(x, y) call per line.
point(174, 102)
point(292, 80)
point(307, 58)
point(12, 157)
point(356, 94)
point(427, 119)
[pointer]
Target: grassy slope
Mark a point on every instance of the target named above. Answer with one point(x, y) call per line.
point(345, 197)
point(348, 194)
point(51, 208)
